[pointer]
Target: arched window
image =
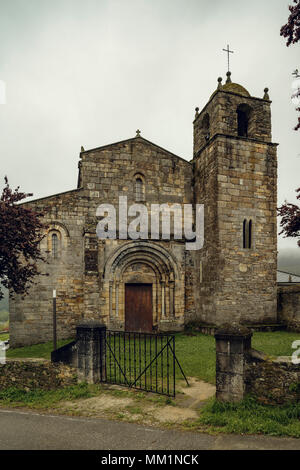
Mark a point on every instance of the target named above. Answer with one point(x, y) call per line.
point(243, 118)
point(247, 233)
point(139, 189)
point(56, 240)
point(55, 245)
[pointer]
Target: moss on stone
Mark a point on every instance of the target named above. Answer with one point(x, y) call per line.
point(236, 88)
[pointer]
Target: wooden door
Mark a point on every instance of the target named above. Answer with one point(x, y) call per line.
point(138, 307)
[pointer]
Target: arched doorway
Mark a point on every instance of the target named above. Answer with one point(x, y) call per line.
point(142, 286)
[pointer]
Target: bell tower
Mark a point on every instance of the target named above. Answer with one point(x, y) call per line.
point(235, 177)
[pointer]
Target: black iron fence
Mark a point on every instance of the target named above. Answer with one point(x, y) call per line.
point(141, 360)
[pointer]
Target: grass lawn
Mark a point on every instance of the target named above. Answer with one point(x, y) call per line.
point(195, 351)
point(277, 343)
point(197, 355)
point(38, 398)
point(42, 350)
point(249, 417)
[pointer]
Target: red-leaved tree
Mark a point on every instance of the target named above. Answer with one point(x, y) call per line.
point(291, 31)
point(20, 234)
point(290, 221)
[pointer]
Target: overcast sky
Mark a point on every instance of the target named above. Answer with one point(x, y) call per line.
point(91, 72)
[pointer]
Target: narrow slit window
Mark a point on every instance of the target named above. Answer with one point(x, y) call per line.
point(250, 234)
point(55, 245)
point(244, 233)
point(247, 233)
point(242, 124)
point(139, 190)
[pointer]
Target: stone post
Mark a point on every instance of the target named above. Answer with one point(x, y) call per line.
point(91, 349)
point(232, 344)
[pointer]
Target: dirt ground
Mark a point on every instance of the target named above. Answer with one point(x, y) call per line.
point(148, 408)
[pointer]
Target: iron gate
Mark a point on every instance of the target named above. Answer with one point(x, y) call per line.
point(143, 361)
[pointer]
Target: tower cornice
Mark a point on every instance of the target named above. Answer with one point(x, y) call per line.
point(233, 137)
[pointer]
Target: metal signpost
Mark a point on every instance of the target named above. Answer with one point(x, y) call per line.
point(54, 321)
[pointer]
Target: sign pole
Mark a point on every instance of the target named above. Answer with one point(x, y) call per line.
point(54, 321)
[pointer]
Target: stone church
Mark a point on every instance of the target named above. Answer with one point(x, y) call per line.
point(158, 285)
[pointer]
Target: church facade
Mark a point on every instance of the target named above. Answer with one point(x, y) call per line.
point(150, 284)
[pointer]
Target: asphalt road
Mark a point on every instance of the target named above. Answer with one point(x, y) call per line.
point(32, 431)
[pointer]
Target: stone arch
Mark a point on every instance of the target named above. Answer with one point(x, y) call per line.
point(157, 252)
point(157, 267)
point(62, 233)
point(139, 260)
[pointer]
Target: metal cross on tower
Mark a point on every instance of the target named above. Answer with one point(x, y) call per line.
point(228, 52)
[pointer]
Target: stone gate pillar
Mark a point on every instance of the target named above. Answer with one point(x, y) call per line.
point(90, 338)
point(232, 345)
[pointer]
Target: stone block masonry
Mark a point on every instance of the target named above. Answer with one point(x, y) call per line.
point(241, 370)
point(91, 352)
point(272, 381)
point(232, 344)
point(36, 375)
point(289, 305)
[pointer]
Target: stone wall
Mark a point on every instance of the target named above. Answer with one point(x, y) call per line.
point(31, 316)
point(289, 305)
point(274, 381)
point(241, 370)
point(110, 171)
point(33, 375)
